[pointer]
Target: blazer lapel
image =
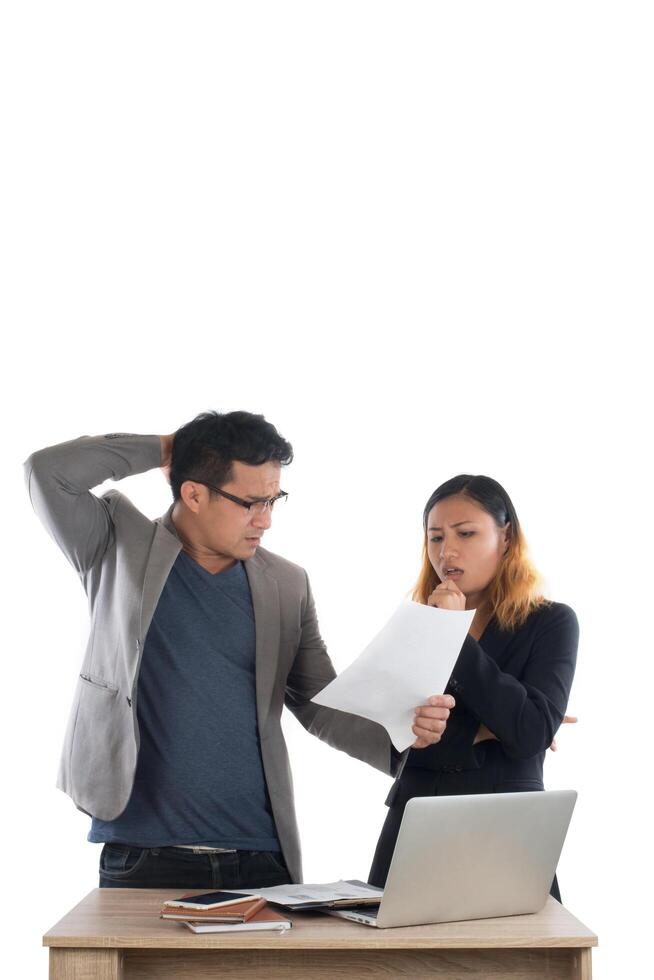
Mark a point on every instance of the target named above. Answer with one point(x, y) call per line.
point(165, 548)
point(265, 601)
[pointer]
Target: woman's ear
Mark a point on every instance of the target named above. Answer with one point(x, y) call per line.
point(506, 533)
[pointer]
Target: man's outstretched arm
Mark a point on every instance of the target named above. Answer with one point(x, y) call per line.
point(364, 739)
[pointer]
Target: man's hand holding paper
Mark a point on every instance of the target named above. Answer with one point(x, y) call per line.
point(409, 659)
point(431, 720)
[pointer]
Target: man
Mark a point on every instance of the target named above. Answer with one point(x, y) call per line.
point(198, 638)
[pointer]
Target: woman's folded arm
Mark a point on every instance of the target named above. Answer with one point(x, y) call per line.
point(524, 714)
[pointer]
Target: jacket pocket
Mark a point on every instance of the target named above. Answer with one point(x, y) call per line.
point(524, 785)
point(119, 861)
point(98, 682)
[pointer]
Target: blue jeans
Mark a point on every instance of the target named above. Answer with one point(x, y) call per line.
point(123, 866)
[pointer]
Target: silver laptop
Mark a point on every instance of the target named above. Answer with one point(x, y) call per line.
point(471, 857)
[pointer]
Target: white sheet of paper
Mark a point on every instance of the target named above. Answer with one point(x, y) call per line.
point(410, 659)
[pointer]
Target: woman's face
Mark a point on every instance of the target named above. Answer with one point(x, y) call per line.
point(465, 544)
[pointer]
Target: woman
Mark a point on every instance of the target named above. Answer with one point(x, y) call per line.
point(513, 675)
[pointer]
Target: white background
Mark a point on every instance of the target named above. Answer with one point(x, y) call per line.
point(416, 236)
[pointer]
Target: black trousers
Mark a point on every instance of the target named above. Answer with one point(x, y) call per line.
point(417, 782)
point(123, 866)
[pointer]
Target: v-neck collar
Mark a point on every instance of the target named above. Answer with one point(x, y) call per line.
point(265, 603)
point(210, 575)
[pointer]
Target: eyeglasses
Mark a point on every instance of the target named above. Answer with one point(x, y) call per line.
point(254, 506)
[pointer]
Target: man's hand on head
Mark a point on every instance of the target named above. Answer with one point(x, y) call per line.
point(166, 454)
point(431, 719)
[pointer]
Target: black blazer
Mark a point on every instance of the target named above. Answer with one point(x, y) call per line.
point(517, 683)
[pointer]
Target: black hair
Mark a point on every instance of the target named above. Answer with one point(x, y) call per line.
point(205, 448)
point(488, 493)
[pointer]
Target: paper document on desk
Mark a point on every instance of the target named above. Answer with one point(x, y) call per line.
point(410, 659)
point(335, 893)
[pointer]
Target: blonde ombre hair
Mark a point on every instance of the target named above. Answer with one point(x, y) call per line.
point(517, 588)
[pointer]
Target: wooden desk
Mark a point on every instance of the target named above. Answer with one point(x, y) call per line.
point(115, 934)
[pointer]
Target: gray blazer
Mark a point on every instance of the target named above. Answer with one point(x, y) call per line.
point(123, 559)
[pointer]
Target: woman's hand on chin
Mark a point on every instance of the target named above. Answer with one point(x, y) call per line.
point(447, 595)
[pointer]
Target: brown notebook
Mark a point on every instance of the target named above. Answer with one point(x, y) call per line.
point(242, 912)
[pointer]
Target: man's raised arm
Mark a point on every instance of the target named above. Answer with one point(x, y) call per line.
point(59, 480)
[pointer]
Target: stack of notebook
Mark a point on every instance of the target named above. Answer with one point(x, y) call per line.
point(223, 912)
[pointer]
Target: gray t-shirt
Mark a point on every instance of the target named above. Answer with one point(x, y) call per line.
point(199, 777)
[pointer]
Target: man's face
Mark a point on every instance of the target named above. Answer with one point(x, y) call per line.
point(223, 527)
